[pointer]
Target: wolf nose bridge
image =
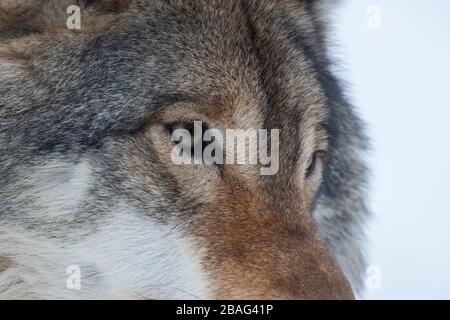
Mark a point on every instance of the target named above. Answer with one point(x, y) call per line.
point(259, 255)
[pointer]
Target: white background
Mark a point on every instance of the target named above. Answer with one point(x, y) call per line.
point(399, 78)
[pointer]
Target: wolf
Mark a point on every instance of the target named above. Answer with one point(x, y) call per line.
point(91, 205)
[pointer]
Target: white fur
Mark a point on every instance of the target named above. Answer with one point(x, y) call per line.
point(128, 256)
point(59, 187)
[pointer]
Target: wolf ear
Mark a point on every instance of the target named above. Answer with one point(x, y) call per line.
point(26, 17)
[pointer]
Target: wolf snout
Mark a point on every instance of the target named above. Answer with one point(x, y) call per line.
point(268, 260)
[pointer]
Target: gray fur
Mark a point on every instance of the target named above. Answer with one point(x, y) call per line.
point(79, 99)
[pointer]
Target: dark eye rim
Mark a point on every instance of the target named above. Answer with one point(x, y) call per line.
point(313, 160)
point(170, 127)
point(184, 124)
point(174, 125)
point(189, 126)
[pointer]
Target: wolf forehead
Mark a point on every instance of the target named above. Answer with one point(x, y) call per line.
point(110, 78)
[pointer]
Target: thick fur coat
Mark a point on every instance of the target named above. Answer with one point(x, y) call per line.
point(85, 169)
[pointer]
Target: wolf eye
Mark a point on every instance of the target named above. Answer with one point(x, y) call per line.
point(196, 136)
point(312, 163)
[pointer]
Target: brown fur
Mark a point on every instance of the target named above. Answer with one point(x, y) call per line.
point(29, 17)
point(238, 66)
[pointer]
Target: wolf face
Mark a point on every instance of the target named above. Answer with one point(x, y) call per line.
point(86, 118)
